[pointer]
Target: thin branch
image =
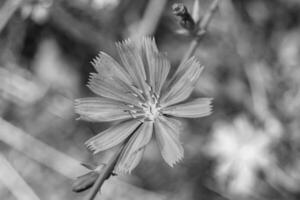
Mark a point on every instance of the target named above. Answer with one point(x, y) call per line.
point(105, 174)
point(152, 15)
point(208, 16)
point(203, 28)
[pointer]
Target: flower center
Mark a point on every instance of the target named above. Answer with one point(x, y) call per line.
point(151, 110)
point(148, 107)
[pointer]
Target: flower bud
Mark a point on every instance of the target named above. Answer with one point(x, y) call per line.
point(85, 181)
point(186, 20)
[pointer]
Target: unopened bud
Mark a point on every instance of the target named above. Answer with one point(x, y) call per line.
point(186, 21)
point(179, 9)
point(85, 181)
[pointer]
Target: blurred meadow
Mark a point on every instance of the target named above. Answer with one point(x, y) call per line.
point(247, 149)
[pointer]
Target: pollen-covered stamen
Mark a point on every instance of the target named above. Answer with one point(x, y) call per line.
point(137, 93)
point(151, 108)
point(134, 111)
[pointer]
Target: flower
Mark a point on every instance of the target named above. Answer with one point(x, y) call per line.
point(241, 151)
point(139, 95)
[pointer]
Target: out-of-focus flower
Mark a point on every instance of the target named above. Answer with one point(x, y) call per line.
point(101, 4)
point(139, 95)
point(241, 151)
point(37, 10)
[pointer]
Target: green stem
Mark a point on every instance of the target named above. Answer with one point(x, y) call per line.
point(105, 174)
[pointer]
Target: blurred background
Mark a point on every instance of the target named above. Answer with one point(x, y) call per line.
point(247, 149)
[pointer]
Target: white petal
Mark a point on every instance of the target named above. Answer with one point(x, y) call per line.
point(182, 84)
point(149, 49)
point(133, 150)
point(196, 108)
point(128, 162)
point(107, 66)
point(112, 136)
point(101, 109)
point(109, 88)
point(156, 64)
point(130, 55)
point(168, 141)
point(161, 72)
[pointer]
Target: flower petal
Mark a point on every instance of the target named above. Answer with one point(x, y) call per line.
point(148, 50)
point(199, 107)
point(161, 72)
point(107, 66)
point(156, 65)
point(107, 87)
point(100, 109)
point(130, 55)
point(128, 161)
point(132, 153)
point(112, 136)
point(182, 84)
point(167, 133)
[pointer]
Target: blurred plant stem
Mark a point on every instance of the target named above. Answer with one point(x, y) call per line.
point(11, 179)
point(202, 30)
point(7, 10)
point(42, 153)
point(105, 174)
point(150, 20)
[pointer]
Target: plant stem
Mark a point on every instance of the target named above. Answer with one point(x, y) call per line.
point(202, 27)
point(150, 20)
point(105, 174)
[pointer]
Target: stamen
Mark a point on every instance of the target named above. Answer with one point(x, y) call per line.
point(130, 112)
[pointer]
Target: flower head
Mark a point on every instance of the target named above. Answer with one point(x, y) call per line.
point(138, 94)
point(241, 151)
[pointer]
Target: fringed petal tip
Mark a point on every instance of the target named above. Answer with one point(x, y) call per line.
point(91, 148)
point(96, 60)
point(77, 103)
point(175, 162)
point(121, 170)
point(211, 107)
point(123, 43)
